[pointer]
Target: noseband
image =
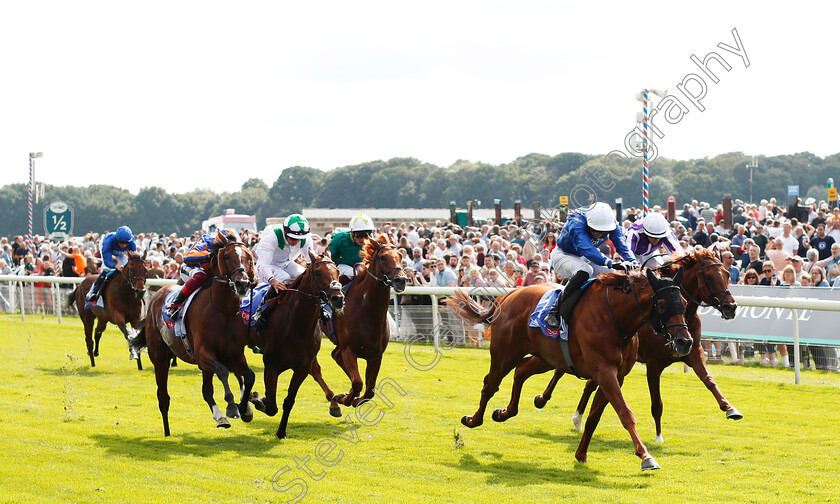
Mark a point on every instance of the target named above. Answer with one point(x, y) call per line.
point(385, 279)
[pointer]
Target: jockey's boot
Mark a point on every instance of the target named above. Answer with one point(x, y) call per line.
point(175, 306)
point(97, 288)
point(552, 318)
point(571, 293)
point(262, 316)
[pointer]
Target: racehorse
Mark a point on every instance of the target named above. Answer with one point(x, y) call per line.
point(601, 342)
point(362, 327)
point(215, 334)
point(155, 273)
point(122, 298)
point(705, 282)
point(292, 340)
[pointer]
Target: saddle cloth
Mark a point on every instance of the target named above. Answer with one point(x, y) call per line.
point(250, 304)
point(548, 300)
point(178, 326)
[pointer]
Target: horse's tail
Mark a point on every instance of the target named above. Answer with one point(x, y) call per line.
point(138, 340)
point(71, 298)
point(465, 307)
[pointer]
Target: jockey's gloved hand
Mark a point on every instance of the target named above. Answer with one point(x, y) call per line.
point(619, 266)
point(632, 265)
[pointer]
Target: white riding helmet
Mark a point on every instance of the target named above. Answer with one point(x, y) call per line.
point(655, 225)
point(296, 226)
point(600, 217)
point(361, 222)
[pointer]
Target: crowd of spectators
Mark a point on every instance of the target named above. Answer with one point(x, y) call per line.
point(764, 245)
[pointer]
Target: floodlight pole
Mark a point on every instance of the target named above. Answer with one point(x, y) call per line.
point(751, 167)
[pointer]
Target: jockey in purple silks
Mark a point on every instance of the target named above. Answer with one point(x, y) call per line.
point(647, 236)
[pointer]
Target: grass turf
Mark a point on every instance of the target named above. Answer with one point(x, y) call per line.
point(72, 433)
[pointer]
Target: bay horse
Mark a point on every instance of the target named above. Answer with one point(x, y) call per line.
point(215, 333)
point(292, 339)
point(362, 327)
point(601, 341)
point(122, 298)
point(705, 281)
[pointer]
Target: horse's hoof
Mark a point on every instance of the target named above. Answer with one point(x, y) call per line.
point(248, 414)
point(232, 412)
point(223, 423)
point(254, 397)
point(733, 414)
point(467, 421)
point(96, 353)
point(659, 438)
point(539, 402)
point(280, 435)
point(649, 463)
point(336, 412)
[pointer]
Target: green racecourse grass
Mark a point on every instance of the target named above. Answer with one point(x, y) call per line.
point(75, 434)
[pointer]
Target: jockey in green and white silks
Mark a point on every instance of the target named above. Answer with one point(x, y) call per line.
point(346, 247)
point(278, 248)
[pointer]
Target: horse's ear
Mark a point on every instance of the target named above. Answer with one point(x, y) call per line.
point(144, 254)
point(678, 277)
point(327, 253)
point(651, 276)
point(312, 256)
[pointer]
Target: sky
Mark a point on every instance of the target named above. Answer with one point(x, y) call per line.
point(185, 95)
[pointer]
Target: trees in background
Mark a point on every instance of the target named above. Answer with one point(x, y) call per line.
point(410, 183)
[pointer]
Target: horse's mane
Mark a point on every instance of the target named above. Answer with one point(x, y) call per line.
point(686, 261)
point(613, 279)
point(369, 250)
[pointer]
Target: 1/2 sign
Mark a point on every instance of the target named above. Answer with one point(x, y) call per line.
point(58, 220)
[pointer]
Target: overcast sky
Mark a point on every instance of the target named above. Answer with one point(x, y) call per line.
point(208, 94)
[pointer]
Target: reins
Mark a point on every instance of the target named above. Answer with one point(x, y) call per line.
point(385, 279)
point(629, 287)
point(716, 296)
point(137, 292)
point(215, 263)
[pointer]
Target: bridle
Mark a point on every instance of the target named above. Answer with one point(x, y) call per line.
point(385, 279)
point(128, 277)
point(663, 329)
point(716, 296)
point(320, 292)
point(228, 275)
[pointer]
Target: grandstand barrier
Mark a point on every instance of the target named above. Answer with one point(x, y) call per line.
point(765, 315)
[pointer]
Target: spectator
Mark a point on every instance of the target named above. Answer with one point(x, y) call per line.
point(822, 242)
point(728, 260)
point(750, 277)
point(443, 276)
point(533, 271)
point(789, 277)
point(804, 280)
point(769, 278)
point(818, 277)
point(775, 254)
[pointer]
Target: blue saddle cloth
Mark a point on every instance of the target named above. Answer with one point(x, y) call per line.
point(548, 300)
point(250, 303)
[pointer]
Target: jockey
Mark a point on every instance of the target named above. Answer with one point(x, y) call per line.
point(196, 267)
point(346, 247)
point(114, 250)
point(647, 236)
point(576, 255)
point(278, 248)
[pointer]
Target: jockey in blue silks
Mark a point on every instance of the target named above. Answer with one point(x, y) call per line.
point(114, 249)
point(647, 236)
point(576, 255)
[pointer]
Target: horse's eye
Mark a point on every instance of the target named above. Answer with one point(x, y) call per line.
point(317, 273)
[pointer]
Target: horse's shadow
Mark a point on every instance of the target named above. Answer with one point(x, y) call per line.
point(599, 445)
point(518, 473)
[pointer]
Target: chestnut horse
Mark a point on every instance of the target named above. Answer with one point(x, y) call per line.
point(215, 333)
point(122, 298)
point(362, 327)
point(292, 339)
point(705, 282)
point(601, 341)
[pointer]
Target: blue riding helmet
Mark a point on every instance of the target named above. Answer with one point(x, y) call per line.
point(124, 234)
